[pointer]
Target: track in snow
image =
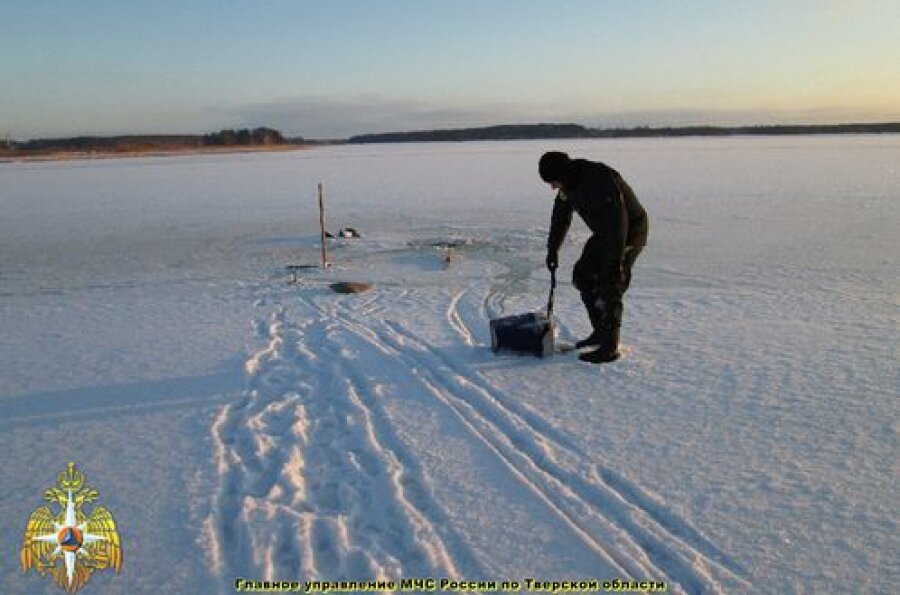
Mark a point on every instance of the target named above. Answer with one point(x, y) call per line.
point(315, 482)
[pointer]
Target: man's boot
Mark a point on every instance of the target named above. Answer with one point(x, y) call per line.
point(607, 350)
point(591, 340)
point(595, 315)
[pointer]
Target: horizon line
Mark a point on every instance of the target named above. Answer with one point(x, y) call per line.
point(617, 128)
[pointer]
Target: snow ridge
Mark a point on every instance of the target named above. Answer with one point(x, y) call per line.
point(316, 483)
point(312, 482)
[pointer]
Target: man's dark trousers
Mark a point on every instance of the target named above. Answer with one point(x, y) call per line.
point(603, 284)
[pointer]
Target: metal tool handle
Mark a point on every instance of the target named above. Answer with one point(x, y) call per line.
point(550, 299)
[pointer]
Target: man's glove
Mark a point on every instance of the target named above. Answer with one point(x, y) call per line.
point(552, 261)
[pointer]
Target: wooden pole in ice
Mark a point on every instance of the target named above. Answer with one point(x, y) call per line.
point(322, 226)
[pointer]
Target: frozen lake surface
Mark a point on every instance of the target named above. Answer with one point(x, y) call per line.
point(241, 426)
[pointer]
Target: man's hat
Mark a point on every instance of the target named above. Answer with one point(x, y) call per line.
point(552, 166)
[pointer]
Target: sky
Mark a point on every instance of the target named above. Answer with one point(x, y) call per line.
point(336, 68)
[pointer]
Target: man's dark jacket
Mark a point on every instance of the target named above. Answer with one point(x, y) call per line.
point(608, 206)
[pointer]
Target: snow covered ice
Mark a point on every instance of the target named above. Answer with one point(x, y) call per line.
point(238, 425)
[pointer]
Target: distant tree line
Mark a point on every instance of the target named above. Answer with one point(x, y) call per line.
point(502, 132)
point(149, 142)
point(541, 131)
point(244, 136)
point(777, 129)
point(269, 137)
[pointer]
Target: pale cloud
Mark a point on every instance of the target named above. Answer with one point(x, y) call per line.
point(324, 118)
point(843, 9)
point(340, 118)
point(833, 114)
